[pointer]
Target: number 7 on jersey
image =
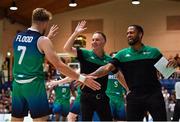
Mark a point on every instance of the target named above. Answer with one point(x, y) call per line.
point(23, 49)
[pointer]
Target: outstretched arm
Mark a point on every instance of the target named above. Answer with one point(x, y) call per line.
point(45, 45)
point(68, 47)
point(103, 70)
point(53, 83)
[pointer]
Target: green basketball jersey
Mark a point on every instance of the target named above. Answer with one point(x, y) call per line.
point(28, 59)
point(114, 88)
point(62, 92)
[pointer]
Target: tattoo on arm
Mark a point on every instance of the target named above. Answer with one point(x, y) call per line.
point(103, 70)
point(100, 72)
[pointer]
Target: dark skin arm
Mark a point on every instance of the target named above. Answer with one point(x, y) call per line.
point(122, 81)
point(104, 70)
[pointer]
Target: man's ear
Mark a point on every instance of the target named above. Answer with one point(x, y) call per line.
point(140, 35)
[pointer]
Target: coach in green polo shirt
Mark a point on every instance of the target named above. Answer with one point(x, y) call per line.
point(91, 60)
point(137, 65)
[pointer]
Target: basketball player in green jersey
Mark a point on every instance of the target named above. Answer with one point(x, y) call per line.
point(61, 105)
point(30, 48)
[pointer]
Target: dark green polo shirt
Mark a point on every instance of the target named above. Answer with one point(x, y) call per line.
point(138, 68)
point(89, 62)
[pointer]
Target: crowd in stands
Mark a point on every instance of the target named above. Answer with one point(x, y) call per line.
point(5, 91)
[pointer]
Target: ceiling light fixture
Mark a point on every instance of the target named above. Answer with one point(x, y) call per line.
point(13, 6)
point(72, 3)
point(135, 2)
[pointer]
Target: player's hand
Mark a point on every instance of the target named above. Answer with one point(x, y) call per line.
point(78, 84)
point(80, 27)
point(53, 32)
point(91, 83)
point(53, 83)
point(172, 63)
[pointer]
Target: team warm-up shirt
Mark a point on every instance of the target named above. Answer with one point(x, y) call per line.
point(89, 62)
point(138, 68)
point(28, 59)
point(62, 92)
point(114, 88)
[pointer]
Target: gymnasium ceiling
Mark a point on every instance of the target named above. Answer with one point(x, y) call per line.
point(25, 7)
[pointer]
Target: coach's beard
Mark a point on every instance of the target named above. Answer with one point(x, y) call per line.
point(132, 42)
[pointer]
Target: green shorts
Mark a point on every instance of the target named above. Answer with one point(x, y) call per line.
point(30, 97)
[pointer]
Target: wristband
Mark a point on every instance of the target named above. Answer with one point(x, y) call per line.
point(82, 78)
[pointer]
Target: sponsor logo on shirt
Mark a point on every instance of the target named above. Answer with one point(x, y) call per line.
point(127, 55)
point(92, 57)
point(111, 77)
point(146, 53)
